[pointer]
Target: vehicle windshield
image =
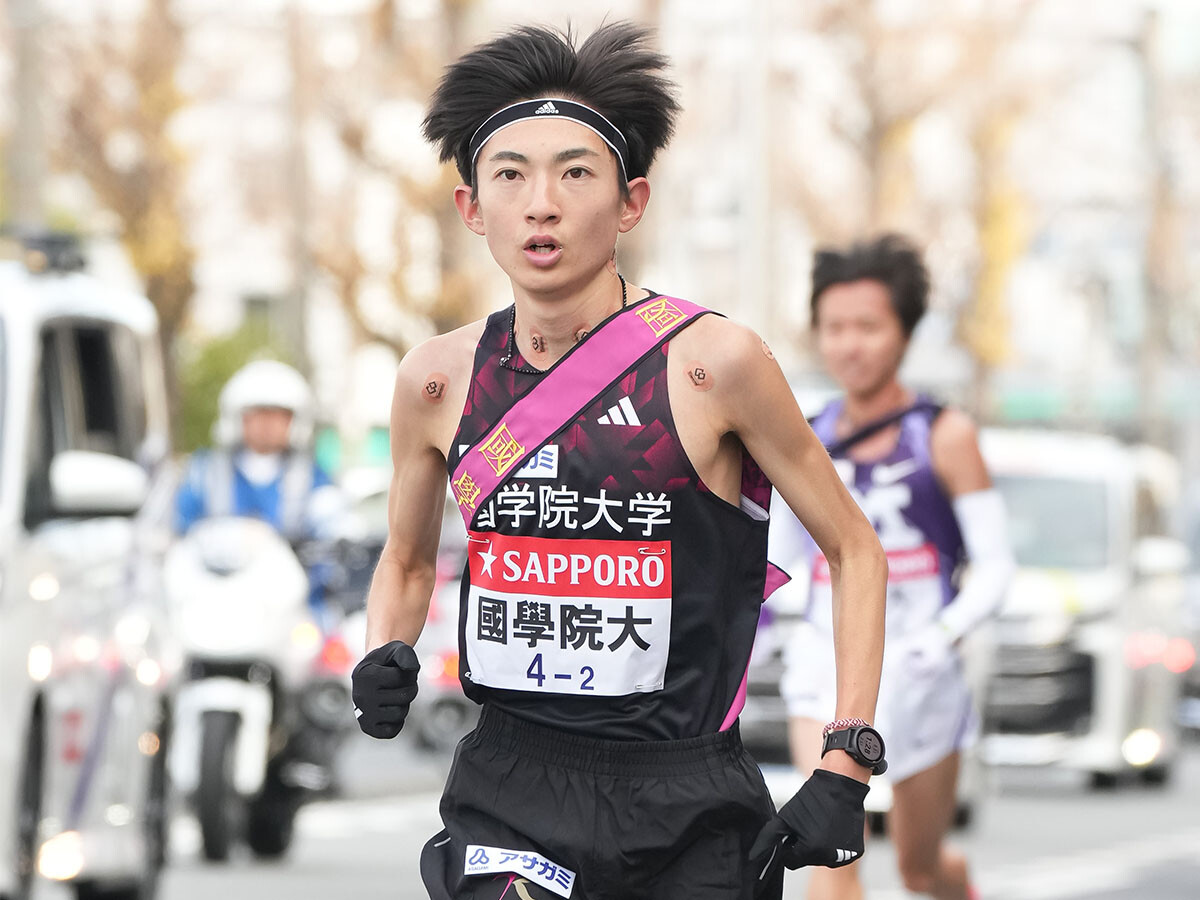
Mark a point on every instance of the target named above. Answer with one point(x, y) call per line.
point(1057, 523)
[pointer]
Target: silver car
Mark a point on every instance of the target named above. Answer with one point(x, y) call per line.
point(1090, 646)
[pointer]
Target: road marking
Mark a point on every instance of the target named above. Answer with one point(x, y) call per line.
point(1076, 875)
point(335, 819)
point(1084, 873)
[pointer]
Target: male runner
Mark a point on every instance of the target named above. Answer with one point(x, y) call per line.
point(617, 556)
point(916, 470)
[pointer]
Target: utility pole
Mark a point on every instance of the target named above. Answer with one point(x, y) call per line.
point(296, 316)
point(26, 157)
point(755, 276)
point(1160, 257)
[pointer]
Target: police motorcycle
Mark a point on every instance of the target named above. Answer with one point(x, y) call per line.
point(265, 703)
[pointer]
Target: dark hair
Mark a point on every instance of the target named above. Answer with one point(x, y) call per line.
point(614, 71)
point(891, 259)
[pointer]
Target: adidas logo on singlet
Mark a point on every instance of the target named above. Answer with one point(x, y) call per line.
point(546, 108)
point(621, 414)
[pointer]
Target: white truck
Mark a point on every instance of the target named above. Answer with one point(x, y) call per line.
point(1088, 647)
point(86, 662)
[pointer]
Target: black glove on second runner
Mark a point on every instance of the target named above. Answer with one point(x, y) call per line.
point(821, 826)
point(383, 685)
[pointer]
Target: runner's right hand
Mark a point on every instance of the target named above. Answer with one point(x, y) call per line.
point(383, 685)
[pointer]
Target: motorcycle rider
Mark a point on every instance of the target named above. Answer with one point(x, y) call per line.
point(262, 465)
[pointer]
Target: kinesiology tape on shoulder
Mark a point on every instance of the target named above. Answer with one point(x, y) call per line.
point(984, 525)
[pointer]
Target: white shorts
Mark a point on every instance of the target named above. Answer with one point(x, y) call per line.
point(922, 719)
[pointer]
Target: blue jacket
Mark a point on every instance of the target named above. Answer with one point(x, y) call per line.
point(214, 485)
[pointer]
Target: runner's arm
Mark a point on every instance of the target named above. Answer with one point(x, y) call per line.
point(979, 509)
point(761, 410)
point(404, 579)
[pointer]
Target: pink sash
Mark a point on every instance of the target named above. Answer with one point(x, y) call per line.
point(566, 390)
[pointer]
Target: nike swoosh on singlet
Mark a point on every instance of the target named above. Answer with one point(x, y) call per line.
point(889, 474)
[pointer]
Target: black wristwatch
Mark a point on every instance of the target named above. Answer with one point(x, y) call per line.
point(862, 742)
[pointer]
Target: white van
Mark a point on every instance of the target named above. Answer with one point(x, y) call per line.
point(1088, 641)
point(84, 663)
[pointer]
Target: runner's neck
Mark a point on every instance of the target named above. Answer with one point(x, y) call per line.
point(558, 324)
point(863, 409)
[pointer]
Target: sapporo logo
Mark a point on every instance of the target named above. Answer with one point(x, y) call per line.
point(501, 450)
point(660, 315)
point(466, 491)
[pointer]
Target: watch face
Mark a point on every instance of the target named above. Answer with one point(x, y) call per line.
point(870, 746)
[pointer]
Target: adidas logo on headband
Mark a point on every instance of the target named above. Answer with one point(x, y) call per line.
point(546, 106)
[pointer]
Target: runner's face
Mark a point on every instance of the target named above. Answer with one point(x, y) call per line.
point(549, 204)
point(859, 335)
point(265, 429)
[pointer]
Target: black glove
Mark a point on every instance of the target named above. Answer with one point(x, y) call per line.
point(383, 684)
point(821, 826)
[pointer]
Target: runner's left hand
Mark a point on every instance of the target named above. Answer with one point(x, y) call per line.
point(928, 649)
point(821, 826)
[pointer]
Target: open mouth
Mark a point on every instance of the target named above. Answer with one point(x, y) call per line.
point(543, 247)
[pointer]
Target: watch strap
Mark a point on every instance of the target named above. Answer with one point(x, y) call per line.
point(842, 738)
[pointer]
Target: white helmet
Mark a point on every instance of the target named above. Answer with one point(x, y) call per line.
point(268, 383)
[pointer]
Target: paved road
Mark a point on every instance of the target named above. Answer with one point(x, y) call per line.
point(1039, 836)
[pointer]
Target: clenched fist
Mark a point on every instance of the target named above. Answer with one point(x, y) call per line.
point(383, 685)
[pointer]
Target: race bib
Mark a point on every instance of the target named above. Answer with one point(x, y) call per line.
point(481, 860)
point(568, 616)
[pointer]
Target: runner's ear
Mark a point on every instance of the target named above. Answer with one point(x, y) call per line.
point(467, 204)
point(633, 207)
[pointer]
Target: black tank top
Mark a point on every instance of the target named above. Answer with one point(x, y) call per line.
point(607, 591)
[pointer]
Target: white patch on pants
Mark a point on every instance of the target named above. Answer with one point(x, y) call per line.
point(481, 860)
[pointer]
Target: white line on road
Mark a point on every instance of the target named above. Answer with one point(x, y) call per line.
point(334, 819)
point(1078, 874)
point(1086, 872)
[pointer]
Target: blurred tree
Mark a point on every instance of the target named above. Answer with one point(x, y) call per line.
point(205, 368)
point(391, 73)
point(121, 99)
point(898, 70)
point(947, 59)
point(1162, 267)
point(983, 324)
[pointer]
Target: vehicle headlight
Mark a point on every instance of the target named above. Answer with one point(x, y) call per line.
point(306, 636)
point(148, 672)
point(1141, 747)
point(61, 857)
point(40, 662)
point(43, 587)
point(133, 630)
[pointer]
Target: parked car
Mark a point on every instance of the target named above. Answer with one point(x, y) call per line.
point(1089, 647)
point(86, 659)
